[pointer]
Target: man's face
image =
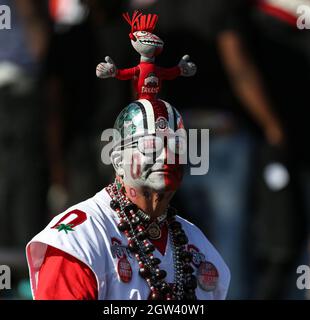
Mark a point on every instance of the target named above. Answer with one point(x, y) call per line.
point(153, 162)
point(149, 144)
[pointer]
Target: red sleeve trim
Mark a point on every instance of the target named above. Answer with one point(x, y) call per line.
point(63, 277)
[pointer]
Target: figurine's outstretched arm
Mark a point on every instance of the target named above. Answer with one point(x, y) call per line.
point(170, 73)
point(106, 69)
point(187, 67)
point(127, 74)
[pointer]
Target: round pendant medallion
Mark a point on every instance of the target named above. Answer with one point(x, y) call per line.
point(154, 231)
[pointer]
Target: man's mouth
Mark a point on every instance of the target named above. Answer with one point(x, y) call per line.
point(163, 170)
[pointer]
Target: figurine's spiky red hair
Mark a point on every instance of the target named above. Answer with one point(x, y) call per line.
point(140, 22)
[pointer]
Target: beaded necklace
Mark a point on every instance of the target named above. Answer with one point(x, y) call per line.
point(133, 223)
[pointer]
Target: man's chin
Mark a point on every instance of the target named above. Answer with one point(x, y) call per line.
point(163, 182)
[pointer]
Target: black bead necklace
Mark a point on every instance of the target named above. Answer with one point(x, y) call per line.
point(133, 223)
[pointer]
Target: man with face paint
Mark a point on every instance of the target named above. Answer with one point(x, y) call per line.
point(156, 139)
point(127, 242)
point(147, 76)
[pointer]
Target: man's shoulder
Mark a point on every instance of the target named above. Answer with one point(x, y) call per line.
point(190, 227)
point(83, 227)
point(82, 231)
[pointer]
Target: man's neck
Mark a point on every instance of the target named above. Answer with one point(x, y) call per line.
point(151, 202)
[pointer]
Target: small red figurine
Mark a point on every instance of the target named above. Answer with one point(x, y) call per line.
point(147, 76)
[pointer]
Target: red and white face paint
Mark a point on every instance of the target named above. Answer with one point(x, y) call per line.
point(149, 166)
point(152, 146)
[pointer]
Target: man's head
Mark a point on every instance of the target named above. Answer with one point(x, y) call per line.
point(149, 140)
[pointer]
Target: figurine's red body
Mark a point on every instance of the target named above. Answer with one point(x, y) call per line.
point(148, 78)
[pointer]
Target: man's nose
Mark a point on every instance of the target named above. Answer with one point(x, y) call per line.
point(161, 156)
point(166, 156)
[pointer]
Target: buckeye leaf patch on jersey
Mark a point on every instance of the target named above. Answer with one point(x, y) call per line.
point(65, 227)
point(70, 220)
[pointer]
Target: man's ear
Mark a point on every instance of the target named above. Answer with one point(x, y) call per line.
point(117, 162)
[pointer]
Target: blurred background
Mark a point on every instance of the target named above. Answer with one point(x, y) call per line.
point(251, 90)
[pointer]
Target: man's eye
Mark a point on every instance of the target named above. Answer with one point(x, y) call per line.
point(149, 145)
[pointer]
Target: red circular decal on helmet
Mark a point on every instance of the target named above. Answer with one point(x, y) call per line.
point(207, 276)
point(124, 270)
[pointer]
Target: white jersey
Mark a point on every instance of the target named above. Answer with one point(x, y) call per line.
point(88, 231)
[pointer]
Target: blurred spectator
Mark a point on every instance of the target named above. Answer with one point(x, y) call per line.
point(80, 105)
point(22, 154)
point(71, 98)
point(261, 52)
point(282, 54)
